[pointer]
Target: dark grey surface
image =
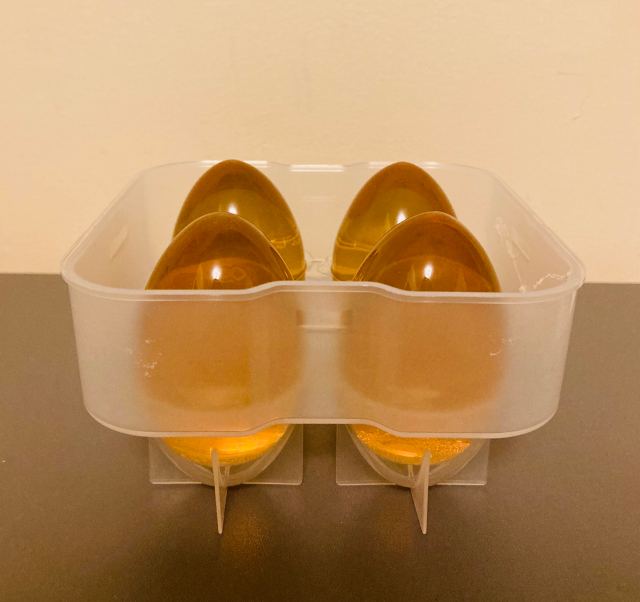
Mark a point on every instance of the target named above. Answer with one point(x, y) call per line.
point(559, 518)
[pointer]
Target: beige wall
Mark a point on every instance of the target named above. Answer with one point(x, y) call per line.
point(546, 93)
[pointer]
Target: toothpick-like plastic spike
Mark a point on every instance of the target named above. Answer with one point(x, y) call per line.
point(420, 492)
point(220, 475)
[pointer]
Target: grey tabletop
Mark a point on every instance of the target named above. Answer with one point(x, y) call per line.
point(558, 519)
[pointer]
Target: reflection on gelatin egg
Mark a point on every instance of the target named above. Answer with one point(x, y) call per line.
point(408, 450)
point(239, 188)
point(394, 194)
point(220, 251)
point(231, 450)
point(429, 252)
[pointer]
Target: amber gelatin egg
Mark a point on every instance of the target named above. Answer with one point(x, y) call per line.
point(428, 252)
point(394, 194)
point(239, 188)
point(215, 251)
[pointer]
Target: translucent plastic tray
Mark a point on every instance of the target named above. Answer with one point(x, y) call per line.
point(156, 363)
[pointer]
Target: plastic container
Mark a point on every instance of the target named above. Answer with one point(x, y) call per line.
point(478, 365)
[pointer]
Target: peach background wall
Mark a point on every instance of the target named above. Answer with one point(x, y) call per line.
point(545, 93)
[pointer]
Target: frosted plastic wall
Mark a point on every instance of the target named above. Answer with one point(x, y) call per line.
point(167, 362)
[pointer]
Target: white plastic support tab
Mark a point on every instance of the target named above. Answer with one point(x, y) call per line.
point(420, 492)
point(282, 465)
point(162, 471)
point(220, 480)
point(358, 465)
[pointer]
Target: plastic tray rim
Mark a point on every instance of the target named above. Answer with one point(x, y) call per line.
point(574, 278)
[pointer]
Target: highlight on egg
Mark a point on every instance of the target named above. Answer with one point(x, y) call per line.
point(438, 363)
point(238, 188)
point(202, 362)
point(392, 195)
point(218, 251)
point(430, 252)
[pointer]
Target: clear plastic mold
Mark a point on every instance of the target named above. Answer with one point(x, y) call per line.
point(475, 365)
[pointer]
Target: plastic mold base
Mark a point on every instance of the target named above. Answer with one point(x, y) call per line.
point(285, 468)
point(357, 465)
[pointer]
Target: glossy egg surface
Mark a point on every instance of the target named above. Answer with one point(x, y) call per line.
point(216, 251)
point(239, 188)
point(394, 194)
point(429, 252)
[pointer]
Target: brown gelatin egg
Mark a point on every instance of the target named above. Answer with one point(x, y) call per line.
point(220, 251)
point(239, 188)
point(394, 194)
point(429, 252)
